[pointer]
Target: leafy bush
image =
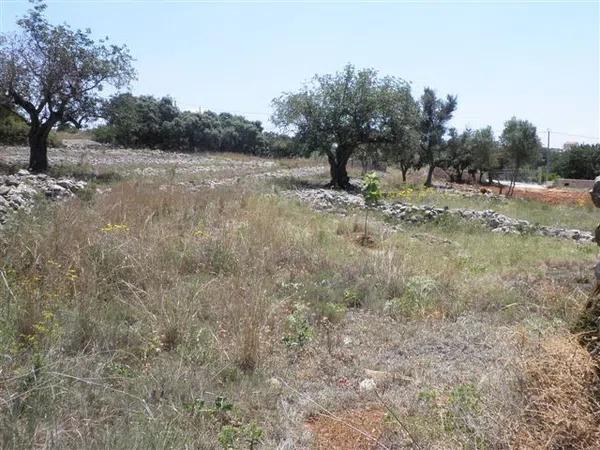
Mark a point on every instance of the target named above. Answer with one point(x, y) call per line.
point(299, 331)
point(14, 131)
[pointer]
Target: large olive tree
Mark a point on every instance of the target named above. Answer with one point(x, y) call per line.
point(51, 74)
point(340, 113)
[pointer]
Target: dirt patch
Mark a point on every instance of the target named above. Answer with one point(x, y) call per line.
point(359, 429)
point(551, 196)
point(365, 240)
point(555, 196)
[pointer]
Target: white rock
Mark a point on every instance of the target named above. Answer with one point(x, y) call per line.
point(367, 385)
point(274, 383)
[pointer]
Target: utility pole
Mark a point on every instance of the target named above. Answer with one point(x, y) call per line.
point(548, 155)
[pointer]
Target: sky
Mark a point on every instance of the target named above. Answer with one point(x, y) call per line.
point(535, 60)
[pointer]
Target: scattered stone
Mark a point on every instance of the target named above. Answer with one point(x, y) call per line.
point(367, 385)
point(274, 383)
point(11, 180)
point(21, 190)
point(340, 201)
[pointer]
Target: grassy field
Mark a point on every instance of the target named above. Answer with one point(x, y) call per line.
point(151, 316)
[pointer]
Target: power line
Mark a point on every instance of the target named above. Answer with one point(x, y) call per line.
point(575, 135)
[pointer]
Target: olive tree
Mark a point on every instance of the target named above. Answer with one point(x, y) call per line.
point(401, 132)
point(459, 151)
point(338, 114)
point(484, 148)
point(521, 145)
point(51, 74)
point(435, 114)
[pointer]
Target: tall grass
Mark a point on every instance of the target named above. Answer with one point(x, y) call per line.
point(128, 317)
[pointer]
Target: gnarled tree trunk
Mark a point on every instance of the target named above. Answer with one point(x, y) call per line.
point(38, 146)
point(337, 169)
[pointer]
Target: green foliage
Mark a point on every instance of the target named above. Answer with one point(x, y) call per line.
point(484, 149)
point(231, 436)
point(146, 121)
point(231, 432)
point(371, 190)
point(578, 161)
point(198, 407)
point(352, 298)
point(13, 129)
point(52, 74)
point(464, 401)
point(299, 331)
point(416, 299)
point(227, 436)
point(459, 151)
point(340, 113)
point(284, 146)
point(520, 142)
point(435, 114)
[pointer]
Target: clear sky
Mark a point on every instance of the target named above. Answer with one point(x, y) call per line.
point(538, 61)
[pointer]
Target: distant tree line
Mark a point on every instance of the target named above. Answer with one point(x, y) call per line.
point(577, 161)
point(146, 121)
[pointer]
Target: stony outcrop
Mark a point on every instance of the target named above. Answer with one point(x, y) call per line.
point(340, 201)
point(22, 189)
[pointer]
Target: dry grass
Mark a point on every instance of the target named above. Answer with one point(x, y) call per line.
point(128, 317)
point(562, 408)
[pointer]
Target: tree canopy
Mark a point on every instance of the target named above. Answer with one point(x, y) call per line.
point(520, 144)
point(578, 161)
point(337, 114)
point(435, 115)
point(52, 73)
point(145, 121)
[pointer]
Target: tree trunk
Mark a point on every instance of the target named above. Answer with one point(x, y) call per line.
point(404, 170)
point(513, 182)
point(459, 175)
point(480, 176)
point(38, 149)
point(338, 172)
point(428, 182)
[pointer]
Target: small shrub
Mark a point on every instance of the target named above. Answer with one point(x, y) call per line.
point(371, 192)
point(415, 300)
point(299, 331)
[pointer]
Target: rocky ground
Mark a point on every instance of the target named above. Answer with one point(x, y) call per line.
point(22, 189)
point(340, 202)
point(126, 161)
